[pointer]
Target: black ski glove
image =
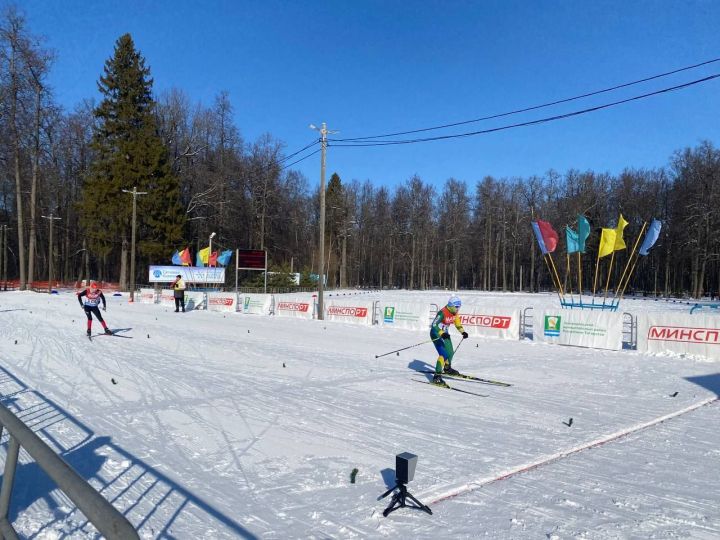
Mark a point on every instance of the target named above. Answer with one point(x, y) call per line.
point(445, 335)
point(104, 308)
point(465, 335)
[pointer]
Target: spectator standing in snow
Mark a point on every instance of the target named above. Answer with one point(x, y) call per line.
point(93, 296)
point(178, 287)
point(441, 338)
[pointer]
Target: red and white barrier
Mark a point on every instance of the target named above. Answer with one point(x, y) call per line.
point(225, 302)
point(147, 296)
point(491, 322)
point(296, 306)
point(679, 333)
point(349, 311)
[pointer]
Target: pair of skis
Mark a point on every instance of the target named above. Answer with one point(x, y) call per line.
point(113, 333)
point(462, 377)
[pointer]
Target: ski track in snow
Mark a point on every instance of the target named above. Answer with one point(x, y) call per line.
point(205, 435)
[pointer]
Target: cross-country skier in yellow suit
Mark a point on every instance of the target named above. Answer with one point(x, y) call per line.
point(441, 338)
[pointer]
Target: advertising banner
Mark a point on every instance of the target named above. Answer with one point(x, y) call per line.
point(147, 296)
point(167, 297)
point(581, 328)
point(191, 274)
point(226, 302)
point(255, 304)
point(409, 315)
point(194, 300)
point(349, 311)
point(491, 322)
point(680, 333)
point(297, 306)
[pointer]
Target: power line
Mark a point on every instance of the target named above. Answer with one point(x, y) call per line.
point(301, 159)
point(521, 124)
point(315, 141)
point(535, 107)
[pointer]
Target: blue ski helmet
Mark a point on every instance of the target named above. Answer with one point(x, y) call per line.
point(454, 302)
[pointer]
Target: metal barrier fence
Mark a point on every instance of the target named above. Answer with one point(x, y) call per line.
point(106, 519)
point(629, 331)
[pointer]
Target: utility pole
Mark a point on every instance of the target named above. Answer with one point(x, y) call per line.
point(50, 251)
point(321, 248)
point(2, 249)
point(135, 193)
point(5, 256)
point(3, 252)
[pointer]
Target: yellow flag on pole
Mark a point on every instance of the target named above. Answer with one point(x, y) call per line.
point(619, 242)
point(607, 242)
point(204, 254)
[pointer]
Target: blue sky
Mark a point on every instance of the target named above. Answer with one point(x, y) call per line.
point(372, 67)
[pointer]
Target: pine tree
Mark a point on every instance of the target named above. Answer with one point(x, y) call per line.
point(128, 152)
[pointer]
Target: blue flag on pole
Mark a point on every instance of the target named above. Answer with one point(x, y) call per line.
point(224, 258)
point(571, 239)
point(539, 237)
point(583, 232)
point(176, 258)
point(651, 236)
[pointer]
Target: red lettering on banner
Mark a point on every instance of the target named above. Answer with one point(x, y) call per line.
point(342, 311)
point(656, 333)
point(293, 306)
point(672, 335)
point(222, 301)
point(486, 321)
point(710, 336)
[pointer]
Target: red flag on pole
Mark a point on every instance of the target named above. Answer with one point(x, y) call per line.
point(549, 235)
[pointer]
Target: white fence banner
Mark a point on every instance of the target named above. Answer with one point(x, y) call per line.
point(255, 304)
point(222, 301)
point(167, 297)
point(582, 328)
point(409, 315)
point(491, 322)
point(680, 333)
point(297, 306)
point(147, 296)
point(349, 311)
point(194, 300)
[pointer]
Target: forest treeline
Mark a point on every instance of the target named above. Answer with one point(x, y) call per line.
point(70, 172)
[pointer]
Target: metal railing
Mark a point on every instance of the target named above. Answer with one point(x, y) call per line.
point(629, 330)
point(526, 323)
point(104, 516)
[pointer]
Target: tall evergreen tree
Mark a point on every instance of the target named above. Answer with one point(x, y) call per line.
point(128, 152)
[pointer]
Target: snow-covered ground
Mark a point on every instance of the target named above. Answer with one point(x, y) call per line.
point(211, 425)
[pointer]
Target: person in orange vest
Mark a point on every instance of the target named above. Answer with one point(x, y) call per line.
point(93, 296)
point(441, 338)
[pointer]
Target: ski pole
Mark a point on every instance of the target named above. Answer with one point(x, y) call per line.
point(405, 348)
point(458, 347)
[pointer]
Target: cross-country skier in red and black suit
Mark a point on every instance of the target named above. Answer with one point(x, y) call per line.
point(93, 296)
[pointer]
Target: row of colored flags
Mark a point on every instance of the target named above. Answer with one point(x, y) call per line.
point(611, 240)
point(202, 257)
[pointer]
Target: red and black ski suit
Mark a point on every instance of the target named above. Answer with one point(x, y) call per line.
point(91, 305)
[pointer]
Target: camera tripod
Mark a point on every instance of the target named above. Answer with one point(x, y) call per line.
point(398, 500)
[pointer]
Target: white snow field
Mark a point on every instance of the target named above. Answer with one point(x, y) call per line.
point(206, 425)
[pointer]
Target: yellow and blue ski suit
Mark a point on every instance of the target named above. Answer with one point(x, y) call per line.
point(442, 321)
